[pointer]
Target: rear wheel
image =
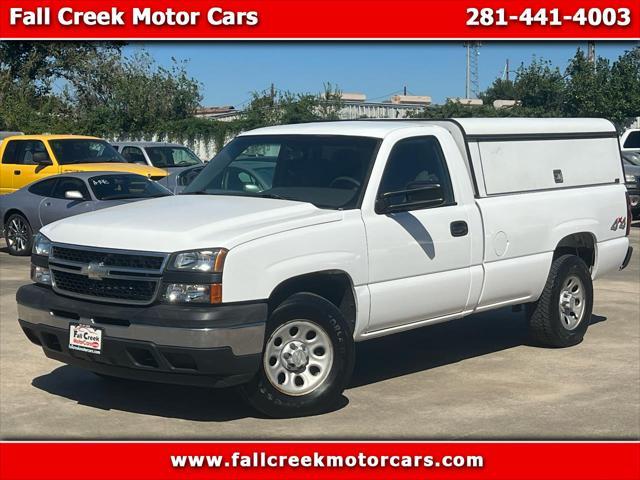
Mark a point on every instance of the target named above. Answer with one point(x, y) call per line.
point(561, 316)
point(307, 359)
point(18, 235)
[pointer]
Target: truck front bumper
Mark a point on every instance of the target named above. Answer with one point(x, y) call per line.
point(208, 346)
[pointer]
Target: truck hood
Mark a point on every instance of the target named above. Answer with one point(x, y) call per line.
point(186, 222)
point(145, 170)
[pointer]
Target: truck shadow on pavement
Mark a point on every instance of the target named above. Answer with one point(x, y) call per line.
point(377, 360)
point(442, 344)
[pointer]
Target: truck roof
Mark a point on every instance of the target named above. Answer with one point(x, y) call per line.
point(149, 144)
point(470, 126)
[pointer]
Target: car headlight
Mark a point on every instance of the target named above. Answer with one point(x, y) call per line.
point(40, 275)
point(41, 245)
point(628, 178)
point(192, 293)
point(207, 261)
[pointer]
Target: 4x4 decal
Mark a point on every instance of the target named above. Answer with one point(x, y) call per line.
point(620, 223)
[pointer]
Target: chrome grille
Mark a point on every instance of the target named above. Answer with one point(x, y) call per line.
point(106, 275)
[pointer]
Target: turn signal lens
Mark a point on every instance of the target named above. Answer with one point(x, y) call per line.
point(215, 292)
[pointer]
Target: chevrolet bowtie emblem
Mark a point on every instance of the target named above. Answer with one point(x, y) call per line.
point(95, 270)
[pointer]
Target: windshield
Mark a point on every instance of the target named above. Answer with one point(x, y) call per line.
point(329, 171)
point(84, 150)
point(167, 157)
point(125, 186)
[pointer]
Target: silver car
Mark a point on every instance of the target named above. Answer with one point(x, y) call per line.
point(171, 157)
point(25, 211)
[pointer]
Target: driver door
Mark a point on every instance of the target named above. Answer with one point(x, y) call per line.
point(57, 207)
point(419, 251)
point(19, 162)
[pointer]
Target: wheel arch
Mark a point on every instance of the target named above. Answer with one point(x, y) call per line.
point(12, 211)
point(583, 244)
point(336, 286)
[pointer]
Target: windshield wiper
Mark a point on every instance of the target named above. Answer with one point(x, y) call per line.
point(271, 195)
point(197, 192)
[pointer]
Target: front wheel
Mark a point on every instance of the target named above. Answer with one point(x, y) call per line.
point(307, 360)
point(561, 316)
point(18, 235)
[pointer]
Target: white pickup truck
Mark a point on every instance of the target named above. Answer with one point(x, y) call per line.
point(299, 240)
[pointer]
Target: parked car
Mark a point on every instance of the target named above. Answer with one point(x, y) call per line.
point(631, 164)
point(27, 210)
point(176, 182)
point(28, 158)
point(630, 140)
point(171, 157)
point(367, 228)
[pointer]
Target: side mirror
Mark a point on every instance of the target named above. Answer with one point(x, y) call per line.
point(73, 195)
point(424, 196)
point(42, 158)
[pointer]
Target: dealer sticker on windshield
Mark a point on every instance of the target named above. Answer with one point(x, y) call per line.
point(85, 338)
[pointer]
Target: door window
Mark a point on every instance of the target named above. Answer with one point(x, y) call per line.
point(43, 188)
point(416, 164)
point(20, 152)
point(134, 155)
point(66, 184)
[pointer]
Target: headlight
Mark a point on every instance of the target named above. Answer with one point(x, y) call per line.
point(208, 261)
point(41, 245)
point(628, 178)
point(40, 275)
point(192, 293)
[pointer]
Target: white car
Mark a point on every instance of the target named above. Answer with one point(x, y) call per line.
point(630, 140)
point(367, 228)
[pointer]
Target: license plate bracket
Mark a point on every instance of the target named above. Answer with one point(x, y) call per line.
point(85, 338)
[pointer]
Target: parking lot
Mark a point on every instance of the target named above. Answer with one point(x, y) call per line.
point(475, 378)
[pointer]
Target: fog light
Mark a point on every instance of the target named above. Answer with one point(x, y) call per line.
point(40, 275)
point(634, 200)
point(192, 293)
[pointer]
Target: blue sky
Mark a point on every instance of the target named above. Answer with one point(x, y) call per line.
point(229, 72)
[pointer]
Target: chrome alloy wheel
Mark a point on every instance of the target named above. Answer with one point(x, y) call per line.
point(572, 303)
point(17, 234)
point(298, 357)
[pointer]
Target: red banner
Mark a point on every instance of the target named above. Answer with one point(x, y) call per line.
point(496, 461)
point(320, 19)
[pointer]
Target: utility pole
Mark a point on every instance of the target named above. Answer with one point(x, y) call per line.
point(507, 70)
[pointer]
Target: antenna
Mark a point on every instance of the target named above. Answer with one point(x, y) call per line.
point(473, 77)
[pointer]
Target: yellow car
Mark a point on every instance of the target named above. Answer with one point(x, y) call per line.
point(27, 158)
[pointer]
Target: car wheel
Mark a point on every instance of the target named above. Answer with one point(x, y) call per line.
point(561, 316)
point(18, 235)
point(307, 361)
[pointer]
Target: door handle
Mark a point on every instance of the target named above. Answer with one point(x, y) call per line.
point(16, 172)
point(47, 204)
point(459, 228)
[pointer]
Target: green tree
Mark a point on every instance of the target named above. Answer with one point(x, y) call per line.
point(540, 86)
point(499, 90)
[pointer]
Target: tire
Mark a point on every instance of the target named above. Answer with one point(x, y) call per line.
point(562, 314)
point(309, 388)
point(18, 235)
